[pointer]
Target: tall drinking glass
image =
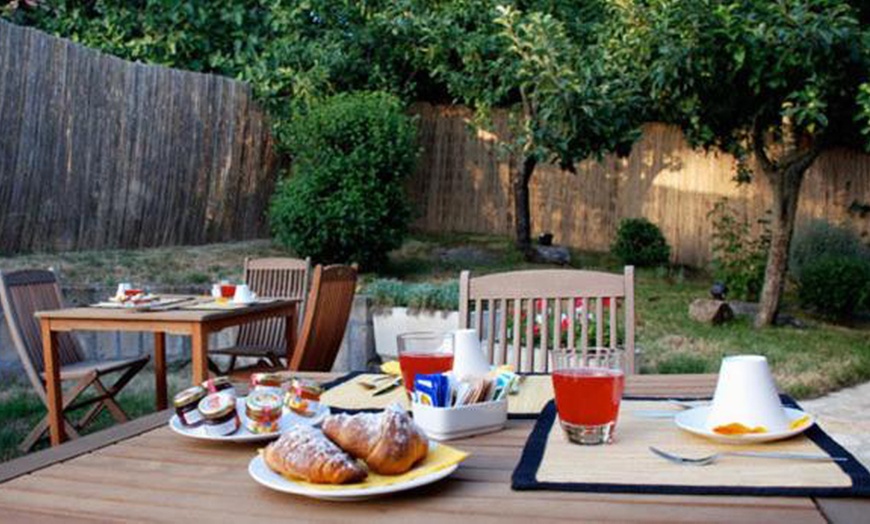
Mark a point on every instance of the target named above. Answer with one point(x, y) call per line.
point(422, 353)
point(588, 391)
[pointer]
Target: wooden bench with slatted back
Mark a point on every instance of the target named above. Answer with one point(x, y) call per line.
point(555, 309)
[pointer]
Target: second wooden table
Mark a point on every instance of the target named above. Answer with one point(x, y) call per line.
point(197, 324)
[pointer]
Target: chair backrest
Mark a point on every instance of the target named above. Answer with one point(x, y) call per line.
point(561, 309)
point(273, 277)
point(23, 293)
point(329, 305)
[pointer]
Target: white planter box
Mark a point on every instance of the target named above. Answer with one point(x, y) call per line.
point(391, 322)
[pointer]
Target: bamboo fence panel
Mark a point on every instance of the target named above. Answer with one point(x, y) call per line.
point(463, 184)
point(98, 152)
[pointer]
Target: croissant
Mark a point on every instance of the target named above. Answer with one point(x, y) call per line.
point(305, 453)
point(389, 442)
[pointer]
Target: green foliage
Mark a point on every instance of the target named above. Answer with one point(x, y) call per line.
point(739, 257)
point(820, 239)
point(724, 69)
point(572, 97)
point(345, 201)
point(683, 363)
point(835, 285)
point(424, 295)
point(641, 243)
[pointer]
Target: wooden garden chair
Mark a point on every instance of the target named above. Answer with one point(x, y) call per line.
point(264, 340)
point(560, 309)
point(23, 293)
point(326, 313)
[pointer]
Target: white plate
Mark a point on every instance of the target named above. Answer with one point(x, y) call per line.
point(261, 473)
point(694, 421)
point(288, 420)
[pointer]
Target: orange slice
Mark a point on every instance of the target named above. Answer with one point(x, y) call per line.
point(798, 422)
point(736, 428)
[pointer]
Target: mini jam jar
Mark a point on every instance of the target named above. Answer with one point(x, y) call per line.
point(219, 385)
point(187, 406)
point(219, 412)
point(263, 410)
point(274, 382)
point(304, 397)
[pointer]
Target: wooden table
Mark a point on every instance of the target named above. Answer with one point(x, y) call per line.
point(197, 324)
point(143, 471)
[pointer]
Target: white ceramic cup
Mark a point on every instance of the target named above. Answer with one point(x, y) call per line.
point(469, 361)
point(216, 291)
point(746, 394)
point(243, 295)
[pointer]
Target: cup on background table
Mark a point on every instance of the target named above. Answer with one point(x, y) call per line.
point(588, 390)
point(243, 295)
point(422, 353)
point(123, 288)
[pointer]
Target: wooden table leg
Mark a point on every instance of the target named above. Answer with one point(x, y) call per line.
point(199, 352)
point(290, 324)
point(160, 369)
point(53, 391)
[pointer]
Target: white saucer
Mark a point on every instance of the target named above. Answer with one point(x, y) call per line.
point(694, 421)
point(260, 472)
point(288, 420)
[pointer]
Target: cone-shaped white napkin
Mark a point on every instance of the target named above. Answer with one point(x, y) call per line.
point(468, 359)
point(747, 394)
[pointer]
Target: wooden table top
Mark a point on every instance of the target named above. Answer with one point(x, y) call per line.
point(174, 315)
point(143, 471)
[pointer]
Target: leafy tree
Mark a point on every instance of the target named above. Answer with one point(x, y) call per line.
point(773, 82)
point(570, 93)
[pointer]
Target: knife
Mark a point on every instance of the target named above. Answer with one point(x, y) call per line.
point(389, 387)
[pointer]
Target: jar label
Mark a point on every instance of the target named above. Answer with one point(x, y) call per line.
point(226, 428)
point(191, 418)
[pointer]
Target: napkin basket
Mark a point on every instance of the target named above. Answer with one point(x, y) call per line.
point(462, 421)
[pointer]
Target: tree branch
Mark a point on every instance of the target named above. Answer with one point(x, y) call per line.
point(767, 165)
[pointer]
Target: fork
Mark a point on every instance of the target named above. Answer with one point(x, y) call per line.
point(710, 459)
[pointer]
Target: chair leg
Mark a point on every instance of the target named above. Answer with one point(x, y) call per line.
point(109, 402)
point(33, 437)
point(213, 367)
point(90, 415)
point(232, 365)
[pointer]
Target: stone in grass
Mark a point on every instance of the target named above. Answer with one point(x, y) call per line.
point(552, 255)
point(709, 311)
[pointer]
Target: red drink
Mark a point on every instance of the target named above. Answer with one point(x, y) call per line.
point(132, 292)
point(588, 396)
point(414, 364)
point(228, 290)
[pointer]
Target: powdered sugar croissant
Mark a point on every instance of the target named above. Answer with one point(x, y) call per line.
point(305, 453)
point(389, 442)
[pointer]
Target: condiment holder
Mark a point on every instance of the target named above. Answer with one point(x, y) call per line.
point(462, 421)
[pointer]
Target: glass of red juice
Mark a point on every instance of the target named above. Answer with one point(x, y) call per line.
point(588, 388)
point(227, 290)
point(424, 353)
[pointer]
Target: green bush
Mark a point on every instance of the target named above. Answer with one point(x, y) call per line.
point(835, 285)
point(820, 239)
point(346, 201)
point(424, 295)
point(739, 257)
point(639, 242)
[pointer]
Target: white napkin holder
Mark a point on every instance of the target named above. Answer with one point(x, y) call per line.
point(463, 421)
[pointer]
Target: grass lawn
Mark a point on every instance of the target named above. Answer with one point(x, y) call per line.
point(807, 362)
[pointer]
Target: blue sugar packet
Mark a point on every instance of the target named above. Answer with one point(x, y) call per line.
point(432, 390)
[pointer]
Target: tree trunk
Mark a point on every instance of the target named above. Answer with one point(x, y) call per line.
point(522, 211)
point(786, 184)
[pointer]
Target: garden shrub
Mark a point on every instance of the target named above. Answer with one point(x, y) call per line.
point(639, 242)
point(820, 239)
point(345, 201)
point(423, 295)
point(835, 285)
point(739, 257)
